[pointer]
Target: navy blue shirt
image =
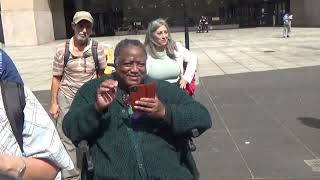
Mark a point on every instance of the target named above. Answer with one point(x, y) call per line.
point(8, 70)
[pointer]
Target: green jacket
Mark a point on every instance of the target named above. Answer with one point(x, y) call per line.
point(155, 151)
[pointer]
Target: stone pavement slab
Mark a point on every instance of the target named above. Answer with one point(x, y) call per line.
point(266, 124)
point(219, 52)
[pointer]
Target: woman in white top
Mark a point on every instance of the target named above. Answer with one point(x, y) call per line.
point(166, 57)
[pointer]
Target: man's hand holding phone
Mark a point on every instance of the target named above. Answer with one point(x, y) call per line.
point(106, 94)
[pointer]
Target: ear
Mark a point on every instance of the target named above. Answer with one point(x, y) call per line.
point(73, 25)
point(117, 64)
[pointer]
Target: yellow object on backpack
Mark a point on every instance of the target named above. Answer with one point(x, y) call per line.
point(108, 51)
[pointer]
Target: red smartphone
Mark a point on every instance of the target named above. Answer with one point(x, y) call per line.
point(141, 91)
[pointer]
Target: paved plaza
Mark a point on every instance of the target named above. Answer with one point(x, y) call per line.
point(220, 52)
point(262, 91)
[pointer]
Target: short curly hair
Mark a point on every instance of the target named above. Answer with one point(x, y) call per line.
point(127, 43)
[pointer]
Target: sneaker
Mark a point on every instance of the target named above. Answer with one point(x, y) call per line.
point(288, 36)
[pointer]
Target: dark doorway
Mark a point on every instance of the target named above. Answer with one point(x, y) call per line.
point(69, 10)
point(254, 13)
point(107, 22)
point(248, 14)
point(107, 16)
point(271, 12)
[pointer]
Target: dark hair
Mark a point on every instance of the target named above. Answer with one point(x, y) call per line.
point(127, 43)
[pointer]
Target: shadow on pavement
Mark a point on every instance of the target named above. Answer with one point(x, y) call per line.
point(44, 98)
point(310, 121)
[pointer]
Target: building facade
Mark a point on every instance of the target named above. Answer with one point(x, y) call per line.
point(32, 22)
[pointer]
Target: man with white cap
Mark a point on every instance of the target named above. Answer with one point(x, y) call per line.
point(77, 61)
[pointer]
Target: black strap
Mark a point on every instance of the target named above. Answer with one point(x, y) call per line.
point(94, 49)
point(66, 53)
point(14, 103)
point(110, 64)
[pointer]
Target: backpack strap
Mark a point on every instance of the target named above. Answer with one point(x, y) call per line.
point(94, 49)
point(14, 103)
point(66, 53)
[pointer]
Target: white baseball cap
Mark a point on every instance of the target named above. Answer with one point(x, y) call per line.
point(82, 15)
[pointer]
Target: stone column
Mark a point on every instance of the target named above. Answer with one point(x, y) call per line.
point(58, 19)
point(27, 22)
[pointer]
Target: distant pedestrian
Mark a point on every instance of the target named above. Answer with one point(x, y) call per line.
point(76, 61)
point(286, 24)
point(200, 25)
point(203, 24)
point(206, 23)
